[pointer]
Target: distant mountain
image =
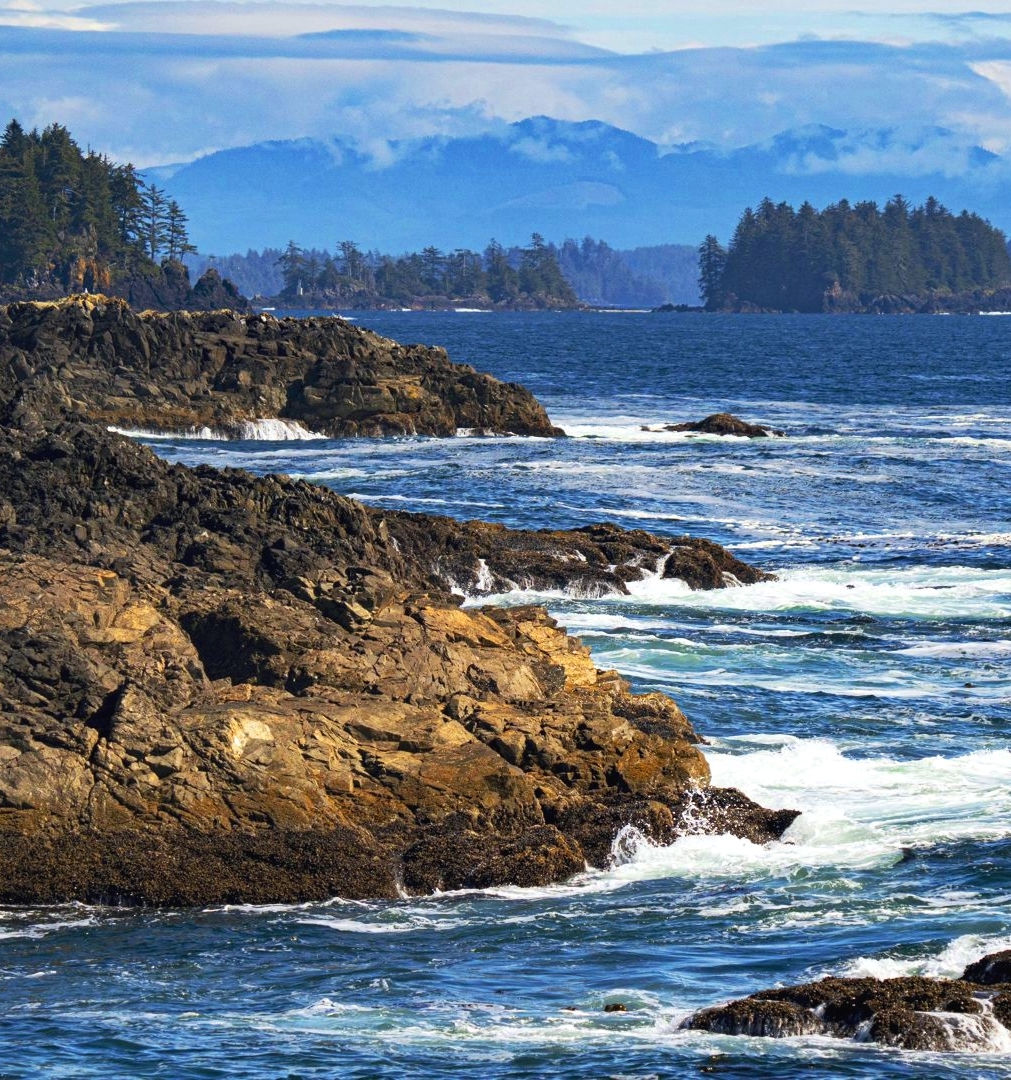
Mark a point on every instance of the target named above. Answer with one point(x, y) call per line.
point(559, 179)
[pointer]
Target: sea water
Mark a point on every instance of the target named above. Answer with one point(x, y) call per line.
point(868, 686)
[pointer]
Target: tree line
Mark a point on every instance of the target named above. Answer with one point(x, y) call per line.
point(73, 219)
point(495, 276)
point(598, 274)
point(846, 255)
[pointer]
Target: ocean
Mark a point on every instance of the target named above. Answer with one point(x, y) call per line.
point(868, 686)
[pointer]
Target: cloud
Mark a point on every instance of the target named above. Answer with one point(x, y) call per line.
point(165, 82)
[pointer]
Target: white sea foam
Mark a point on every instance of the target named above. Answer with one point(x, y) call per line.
point(960, 650)
point(953, 592)
point(202, 433)
point(275, 430)
point(926, 592)
point(949, 963)
point(904, 803)
point(263, 430)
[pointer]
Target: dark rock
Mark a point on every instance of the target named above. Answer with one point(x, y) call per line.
point(991, 970)
point(724, 424)
point(167, 288)
point(911, 1013)
point(597, 560)
point(771, 1019)
point(96, 358)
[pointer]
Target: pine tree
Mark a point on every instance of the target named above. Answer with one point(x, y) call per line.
point(712, 268)
point(177, 242)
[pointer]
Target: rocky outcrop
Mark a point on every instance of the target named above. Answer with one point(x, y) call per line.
point(722, 424)
point(180, 371)
point(598, 560)
point(912, 1013)
point(167, 288)
point(215, 687)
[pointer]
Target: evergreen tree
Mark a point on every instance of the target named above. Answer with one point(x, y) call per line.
point(712, 267)
point(502, 279)
point(177, 243)
point(293, 268)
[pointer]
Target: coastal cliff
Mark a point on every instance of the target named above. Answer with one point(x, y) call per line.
point(180, 371)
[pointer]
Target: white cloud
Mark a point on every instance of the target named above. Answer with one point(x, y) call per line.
point(541, 150)
point(171, 80)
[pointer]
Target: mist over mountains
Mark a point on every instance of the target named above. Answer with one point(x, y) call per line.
point(560, 179)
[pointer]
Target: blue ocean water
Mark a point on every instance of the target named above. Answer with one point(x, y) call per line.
point(868, 686)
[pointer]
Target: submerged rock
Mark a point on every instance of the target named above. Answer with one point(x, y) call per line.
point(216, 687)
point(89, 356)
point(911, 1013)
point(723, 424)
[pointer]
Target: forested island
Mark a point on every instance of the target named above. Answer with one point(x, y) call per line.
point(73, 221)
point(426, 279)
point(857, 258)
point(349, 276)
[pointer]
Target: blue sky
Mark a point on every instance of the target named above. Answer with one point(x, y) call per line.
point(168, 80)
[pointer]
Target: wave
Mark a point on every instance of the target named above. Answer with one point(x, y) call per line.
point(918, 592)
point(948, 963)
point(263, 430)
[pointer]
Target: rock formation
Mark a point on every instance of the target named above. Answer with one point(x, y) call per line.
point(167, 288)
point(722, 424)
point(183, 371)
point(597, 560)
point(216, 687)
point(972, 1012)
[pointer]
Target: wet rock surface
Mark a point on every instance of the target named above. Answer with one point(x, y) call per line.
point(216, 687)
point(723, 424)
point(94, 357)
point(598, 560)
point(971, 1013)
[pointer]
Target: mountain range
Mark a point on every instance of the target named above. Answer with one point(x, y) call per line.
point(559, 179)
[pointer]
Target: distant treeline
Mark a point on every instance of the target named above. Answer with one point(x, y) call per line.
point(845, 256)
point(71, 219)
point(591, 270)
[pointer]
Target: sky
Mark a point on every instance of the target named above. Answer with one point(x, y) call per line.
point(167, 81)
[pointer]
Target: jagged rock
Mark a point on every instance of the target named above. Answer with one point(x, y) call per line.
point(167, 288)
point(216, 687)
point(991, 970)
point(597, 560)
point(911, 1013)
point(723, 424)
point(94, 357)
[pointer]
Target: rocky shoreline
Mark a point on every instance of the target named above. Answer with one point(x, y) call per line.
point(224, 371)
point(222, 688)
